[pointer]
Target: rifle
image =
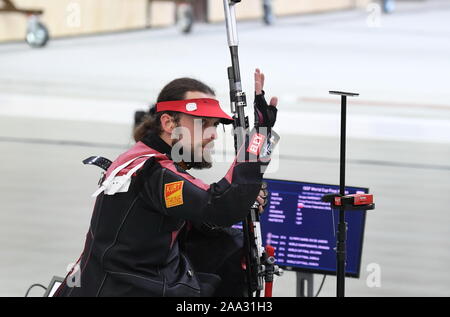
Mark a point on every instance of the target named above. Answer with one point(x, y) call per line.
point(260, 265)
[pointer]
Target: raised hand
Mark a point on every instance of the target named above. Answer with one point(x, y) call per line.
point(265, 114)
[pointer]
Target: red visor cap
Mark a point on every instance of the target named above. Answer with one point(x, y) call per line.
point(202, 107)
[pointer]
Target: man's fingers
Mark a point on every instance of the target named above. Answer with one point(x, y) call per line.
point(258, 88)
point(259, 81)
point(274, 101)
point(260, 200)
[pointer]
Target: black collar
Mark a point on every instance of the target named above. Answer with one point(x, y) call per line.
point(155, 142)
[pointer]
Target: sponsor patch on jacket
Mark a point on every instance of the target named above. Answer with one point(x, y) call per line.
point(173, 194)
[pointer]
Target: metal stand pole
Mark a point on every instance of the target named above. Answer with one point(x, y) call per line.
point(342, 226)
point(305, 284)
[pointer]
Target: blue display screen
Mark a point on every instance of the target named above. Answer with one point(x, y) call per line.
point(302, 230)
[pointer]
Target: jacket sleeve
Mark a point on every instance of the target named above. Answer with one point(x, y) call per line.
point(177, 194)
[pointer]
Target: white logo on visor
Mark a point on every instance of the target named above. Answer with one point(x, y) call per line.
point(192, 106)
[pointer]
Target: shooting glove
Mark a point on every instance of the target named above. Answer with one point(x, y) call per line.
point(265, 115)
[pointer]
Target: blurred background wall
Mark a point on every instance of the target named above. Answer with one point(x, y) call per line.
point(79, 17)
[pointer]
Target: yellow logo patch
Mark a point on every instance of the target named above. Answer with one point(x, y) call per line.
point(173, 194)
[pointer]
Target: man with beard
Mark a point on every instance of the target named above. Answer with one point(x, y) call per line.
point(158, 231)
